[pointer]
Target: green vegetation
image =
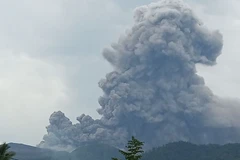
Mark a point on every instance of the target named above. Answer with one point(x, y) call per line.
point(5, 154)
point(96, 151)
point(134, 150)
point(188, 151)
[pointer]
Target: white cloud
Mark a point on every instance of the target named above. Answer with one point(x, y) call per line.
point(29, 89)
point(57, 26)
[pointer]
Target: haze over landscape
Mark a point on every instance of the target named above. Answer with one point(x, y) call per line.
point(55, 55)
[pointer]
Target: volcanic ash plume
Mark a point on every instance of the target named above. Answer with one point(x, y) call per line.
point(153, 92)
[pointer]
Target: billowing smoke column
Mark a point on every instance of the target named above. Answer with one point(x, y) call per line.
point(154, 92)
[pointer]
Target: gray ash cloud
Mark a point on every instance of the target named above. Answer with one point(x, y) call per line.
point(153, 91)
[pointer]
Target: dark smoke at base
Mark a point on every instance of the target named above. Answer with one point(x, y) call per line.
point(154, 92)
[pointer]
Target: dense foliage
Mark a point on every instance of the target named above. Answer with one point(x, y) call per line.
point(188, 151)
point(134, 150)
point(5, 154)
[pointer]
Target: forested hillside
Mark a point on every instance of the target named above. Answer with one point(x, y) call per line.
point(171, 151)
point(188, 151)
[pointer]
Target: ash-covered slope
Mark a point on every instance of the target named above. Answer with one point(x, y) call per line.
point(91, 151)
point(95, 151)
point(154, 93)
point(25, 152)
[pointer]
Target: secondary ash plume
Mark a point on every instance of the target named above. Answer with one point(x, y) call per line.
point(153, 92)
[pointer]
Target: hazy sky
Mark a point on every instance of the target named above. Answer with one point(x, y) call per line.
point(50, 57)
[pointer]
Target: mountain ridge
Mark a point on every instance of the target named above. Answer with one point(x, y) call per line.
point(97, 151)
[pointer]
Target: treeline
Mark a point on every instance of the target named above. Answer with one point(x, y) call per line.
point(188, 151)
point(182, 151)
point(133, 151)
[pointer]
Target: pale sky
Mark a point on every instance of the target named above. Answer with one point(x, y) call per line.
point(50, 57)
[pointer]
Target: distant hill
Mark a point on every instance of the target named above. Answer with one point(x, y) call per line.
point(92, 151)
point(25, 152)
point(96, 151)
point(188, 151)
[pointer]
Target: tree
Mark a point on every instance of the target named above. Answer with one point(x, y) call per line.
point(134, 150)
point(4, 153)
